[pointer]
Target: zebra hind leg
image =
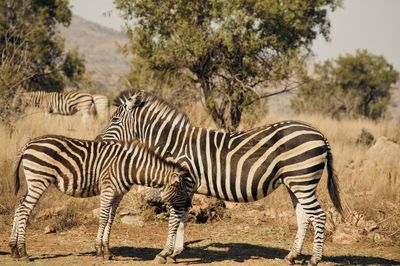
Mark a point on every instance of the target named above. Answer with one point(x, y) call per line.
point(107, 255)
point(309, 205)
point(106, 199)
point(302, 224)
point(175, 218)
point(14, 232)
point(28, 202)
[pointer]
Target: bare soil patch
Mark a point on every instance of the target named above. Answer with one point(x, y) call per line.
point(227, 242)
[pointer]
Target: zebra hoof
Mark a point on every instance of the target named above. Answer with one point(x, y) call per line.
point(289, 259)
point(25, 258)
point(107, 256)
point(160, 260)
point(176, 254)
point(174, 258)
point(313, 261)
point(15, 253)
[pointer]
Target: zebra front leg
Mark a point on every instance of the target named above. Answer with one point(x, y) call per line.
point(180, 236)
point(107, 255)
point(106, 199)
point(302, 224)
point(175, 218)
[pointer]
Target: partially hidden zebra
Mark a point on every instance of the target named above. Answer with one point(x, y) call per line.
point(238, 166)
point(101, 106)
point(62, 103)
point(83, 168)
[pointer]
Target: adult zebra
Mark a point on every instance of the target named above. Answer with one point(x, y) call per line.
point(83, 168)
point(63, 103)
point(240, 166)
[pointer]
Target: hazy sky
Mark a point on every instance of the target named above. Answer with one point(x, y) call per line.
point(361, 24)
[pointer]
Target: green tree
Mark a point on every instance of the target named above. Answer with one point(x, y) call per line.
point(74, 67)
point(232, 50)
point(32, 53)
point(352, 85)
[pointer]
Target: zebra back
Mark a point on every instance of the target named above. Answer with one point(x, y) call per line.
point(79, 167)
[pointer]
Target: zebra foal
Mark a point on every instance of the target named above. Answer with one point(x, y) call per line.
point(237, 166)
point(83, 168)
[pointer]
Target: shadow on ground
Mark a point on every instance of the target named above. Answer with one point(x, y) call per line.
point(219, 252)
point(360, 260)
point(2, 253)
point(241, 252)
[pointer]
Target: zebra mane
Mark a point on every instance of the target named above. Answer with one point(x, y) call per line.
point(152, 152)
point(147, 97)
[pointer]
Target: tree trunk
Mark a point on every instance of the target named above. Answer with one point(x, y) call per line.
point(228, 113)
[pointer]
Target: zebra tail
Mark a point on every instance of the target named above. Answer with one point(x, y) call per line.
point(333, 185)
point(16, 174)
point(93, 110)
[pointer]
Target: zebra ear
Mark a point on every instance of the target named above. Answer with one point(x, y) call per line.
point(135, 101)
point(175, 178)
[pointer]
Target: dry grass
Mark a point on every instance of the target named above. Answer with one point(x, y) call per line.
point(372, 193)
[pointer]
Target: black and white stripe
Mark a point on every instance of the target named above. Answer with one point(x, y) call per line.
point(102, 106)
point(239, 166)
point(82, 168)
point(62, 103)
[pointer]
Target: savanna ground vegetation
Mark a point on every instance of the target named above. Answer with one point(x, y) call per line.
point(220, 62)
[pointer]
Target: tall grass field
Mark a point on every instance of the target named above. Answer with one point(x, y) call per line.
point(369, 181)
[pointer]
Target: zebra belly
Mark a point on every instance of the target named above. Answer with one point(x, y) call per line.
point(77, 186)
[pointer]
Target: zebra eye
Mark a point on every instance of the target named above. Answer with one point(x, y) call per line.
point(115, 119)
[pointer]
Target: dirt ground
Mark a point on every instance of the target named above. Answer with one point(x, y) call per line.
point(219, 243)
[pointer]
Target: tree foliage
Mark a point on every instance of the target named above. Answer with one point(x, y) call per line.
point(32, 53)
point(232, 49)
point(352, 85)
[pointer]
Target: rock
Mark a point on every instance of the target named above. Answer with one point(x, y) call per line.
point(132, 220)
point(124, 213)
point(49, 229)
point(153, 197)
point(383, 154)
point(346, 234)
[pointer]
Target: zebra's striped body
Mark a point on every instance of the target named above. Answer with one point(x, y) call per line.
point(82, 168)
point(102, 106)
point(62, 103)
point(242, 166)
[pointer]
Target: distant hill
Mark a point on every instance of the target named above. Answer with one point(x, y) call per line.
point(99, 45)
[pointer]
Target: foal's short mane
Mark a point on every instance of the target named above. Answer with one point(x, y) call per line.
point(146, 97)
point(167, 160)
point(126, 146)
